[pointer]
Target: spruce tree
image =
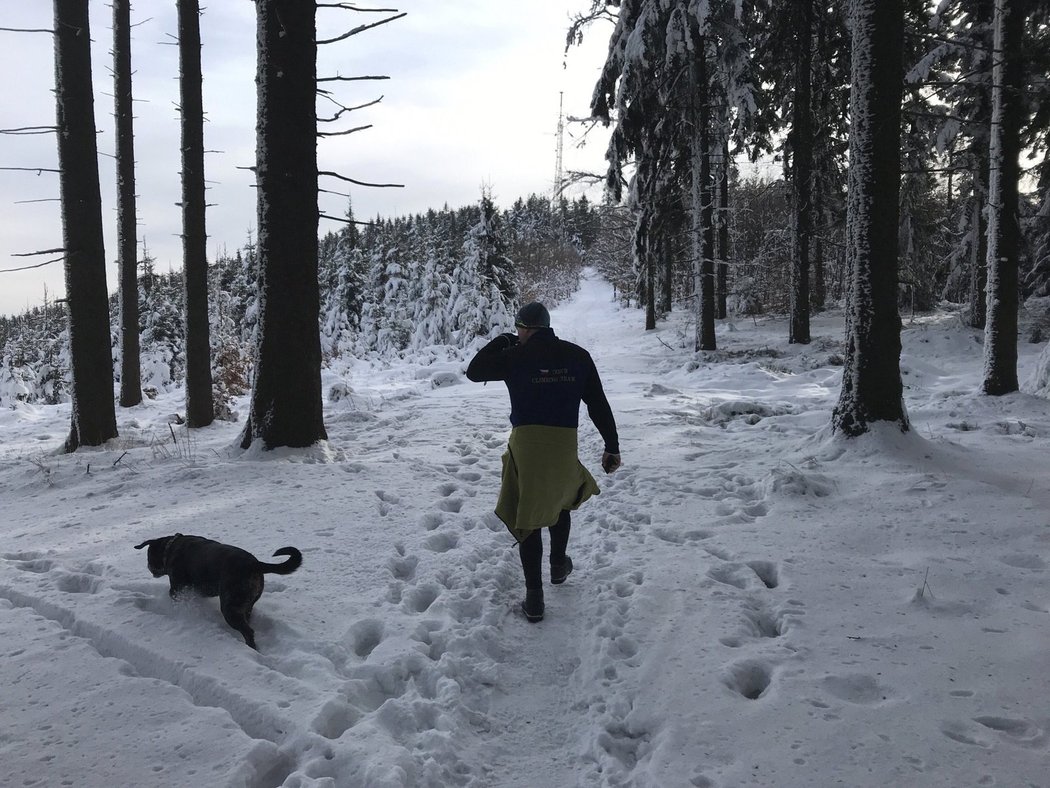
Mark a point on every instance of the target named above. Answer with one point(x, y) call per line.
point(871, 380)
point(93, 414)
point(127, 237)
point(286, 406)
point(200, 410)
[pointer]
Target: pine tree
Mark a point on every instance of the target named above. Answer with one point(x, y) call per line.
point(1004, 237)
point(127, 238)
point(200, 410)
point(286, 407)
point(959, 67)
point(871, 380)
point(802, 135)
point(94, 416)
point(431, 317)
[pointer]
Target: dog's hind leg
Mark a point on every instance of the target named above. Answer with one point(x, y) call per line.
point(236, 603)
point(236, 615)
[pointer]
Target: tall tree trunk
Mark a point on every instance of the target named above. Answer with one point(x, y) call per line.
point(646, 241)
point(94, 418)
point(722, 283)
point(871, 378)
point(978, 249)
point(818, 292)
point(286, 407)
point(127, 234)
point(667, 280)
point(1004, 237)
point(650, 294)
point(981, 61)
point(702, 198)
point(802, 173)
point(823, 163)
point(200, 410)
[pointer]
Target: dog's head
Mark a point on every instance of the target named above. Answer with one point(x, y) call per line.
point(156, 555)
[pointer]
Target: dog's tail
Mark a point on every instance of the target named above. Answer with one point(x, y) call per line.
point(295, 560)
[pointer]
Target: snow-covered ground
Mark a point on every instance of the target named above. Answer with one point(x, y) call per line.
point(755, 602)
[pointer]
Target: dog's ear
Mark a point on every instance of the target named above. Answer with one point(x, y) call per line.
point(144, 544)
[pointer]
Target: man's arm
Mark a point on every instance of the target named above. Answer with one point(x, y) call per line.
point(599, 410)
point(490, 361)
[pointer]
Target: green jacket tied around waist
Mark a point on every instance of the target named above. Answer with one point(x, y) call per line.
point(541, 476)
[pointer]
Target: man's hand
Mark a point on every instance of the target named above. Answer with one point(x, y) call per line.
point(610, 462)
point(505, 340)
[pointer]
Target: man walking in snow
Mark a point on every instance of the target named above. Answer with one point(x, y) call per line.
point(543, 478)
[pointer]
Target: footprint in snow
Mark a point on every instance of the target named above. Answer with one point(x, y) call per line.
point(1018, 731)
point(432, 520)
point(767, 572)
point(364, 635)
point(37, 566)
point(857, 688)
point(78, 583)
point(420, 598)
point(403, 567)
point(672, 536)
point(441, 542)
point(963, 733)
point(750, 679)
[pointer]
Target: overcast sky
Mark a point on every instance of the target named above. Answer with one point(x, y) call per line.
point(472, 100)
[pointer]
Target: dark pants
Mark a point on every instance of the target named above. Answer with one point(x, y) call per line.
point(531, 550)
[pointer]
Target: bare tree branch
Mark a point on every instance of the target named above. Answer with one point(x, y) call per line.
point(361, 29)
point(344, 221)
point(31, 130)
point(343, 109)
point(343, 133)
point(28, 267)
point(352, 7)
point(361, 183)
point(26, 30)
point(37, 170)
point(34, 254)
point(338, 78)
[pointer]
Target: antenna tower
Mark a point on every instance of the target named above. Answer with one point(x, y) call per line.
point(558, 183)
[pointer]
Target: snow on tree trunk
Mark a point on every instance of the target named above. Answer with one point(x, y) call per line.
point(871, 378)
point(722, 275)
point(801, 173)
point(1004, 237)
point(91, 360)
point(200, 409)
point(127, 238)
point(978, 252)
point(286, 405)
point(703, 198)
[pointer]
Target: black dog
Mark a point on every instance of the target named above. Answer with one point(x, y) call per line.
point(214, 569)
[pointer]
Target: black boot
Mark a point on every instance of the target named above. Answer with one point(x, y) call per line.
point(532, 605)
point(560, 571)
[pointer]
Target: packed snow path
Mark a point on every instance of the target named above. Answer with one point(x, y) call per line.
point(753, 603)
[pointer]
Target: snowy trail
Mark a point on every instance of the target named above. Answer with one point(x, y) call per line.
point(743, 609)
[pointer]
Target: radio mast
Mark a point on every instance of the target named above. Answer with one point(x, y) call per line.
point(558, 184)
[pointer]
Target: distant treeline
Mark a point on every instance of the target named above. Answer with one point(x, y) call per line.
point(428, 283)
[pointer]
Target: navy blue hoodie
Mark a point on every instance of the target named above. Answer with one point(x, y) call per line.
point(547, 378)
